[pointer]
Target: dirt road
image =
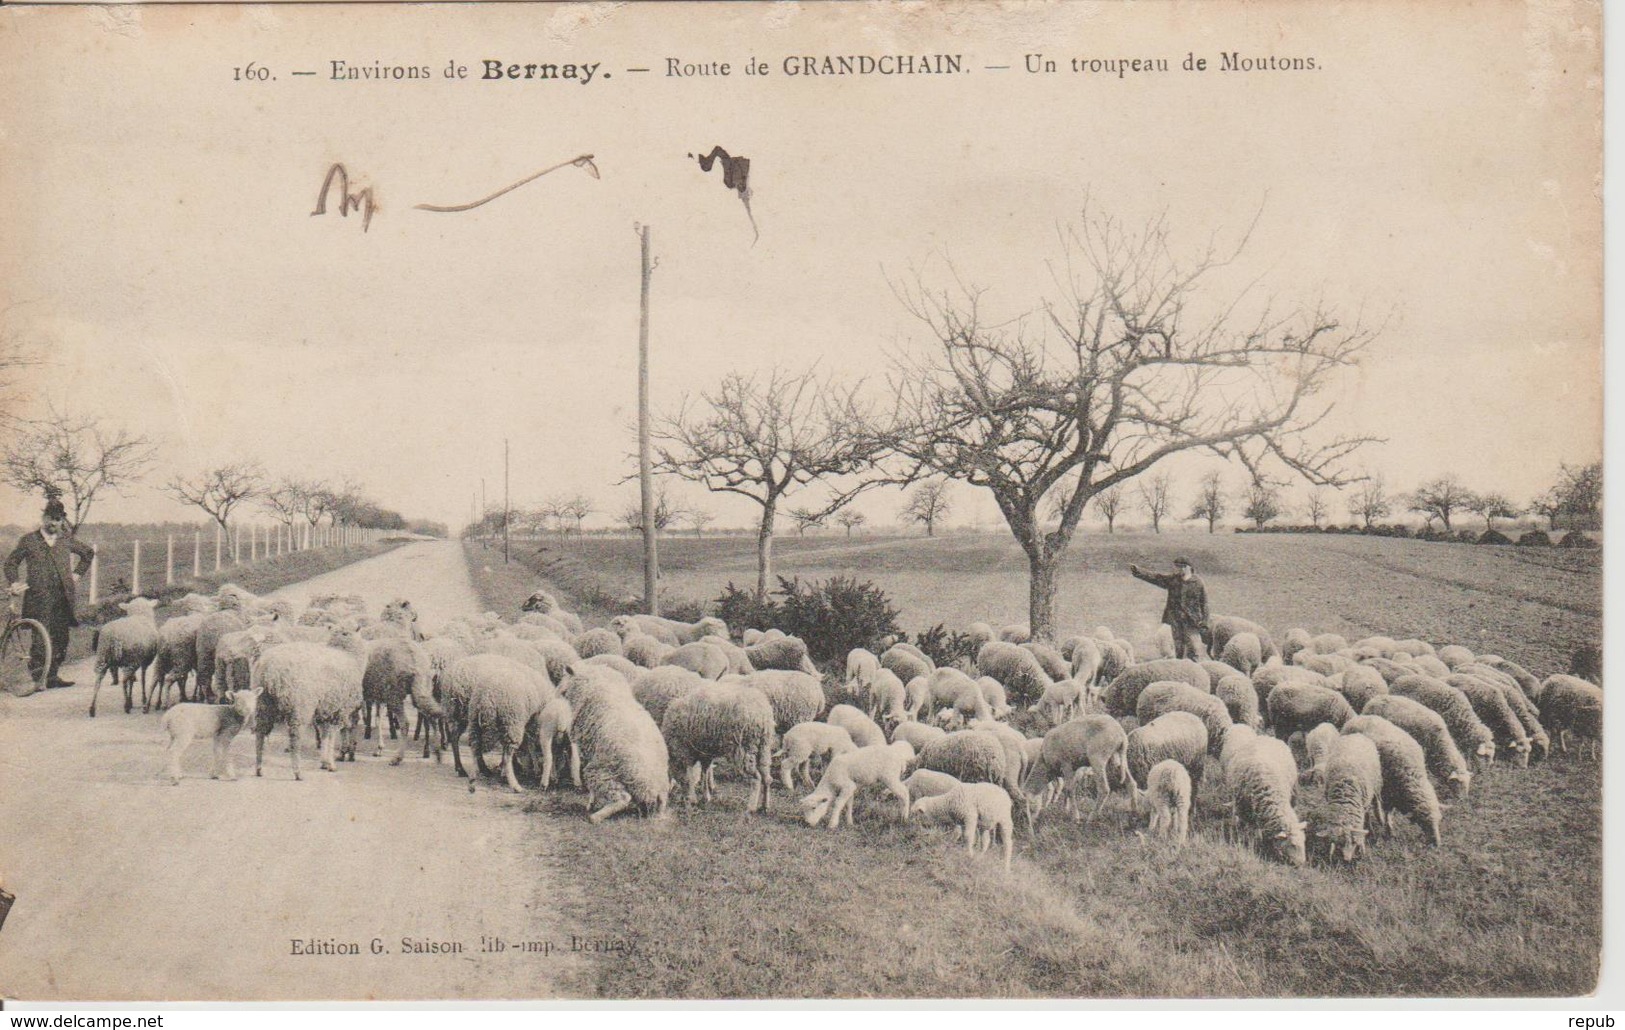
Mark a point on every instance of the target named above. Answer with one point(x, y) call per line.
point(130, 888)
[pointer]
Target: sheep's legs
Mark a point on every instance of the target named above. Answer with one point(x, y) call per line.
point(901, 793)
point(177, 748)
point(614, 807)
point(970, 832)
point(694, 773)
point(843, 799)
point(575, 764)
point(397, 713)
point(476, 744)
point(293, 745)
point(507, 767)
point(456, 735)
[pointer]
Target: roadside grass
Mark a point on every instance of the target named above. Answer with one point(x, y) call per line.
point(725, 905)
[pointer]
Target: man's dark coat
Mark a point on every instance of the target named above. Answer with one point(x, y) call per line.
point(50, 576)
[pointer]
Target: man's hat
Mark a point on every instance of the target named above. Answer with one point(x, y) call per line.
point(1185, 562)
point(54, 509)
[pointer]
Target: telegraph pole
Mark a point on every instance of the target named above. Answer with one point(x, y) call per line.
point(651, 559)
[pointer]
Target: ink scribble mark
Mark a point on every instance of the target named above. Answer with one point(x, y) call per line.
point(584, 162)
point(361, 200)
point(735, 176)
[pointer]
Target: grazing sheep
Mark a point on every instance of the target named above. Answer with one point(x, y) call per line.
point(1472, 737)
point(1243, 652)
point(1427, 728)
point(1493, 710)
point(877, 765)
point(1240, 700)
point(1296, 640)
point(1540, 744)
point(1300, 707)
point(795, 696)
point(1225, 627)
point(126, 647)
point(1569, 704)
point(644, 650)
point(176, 658)
point(1014, 744)
point(1123, 693)
point(927, 783)
point(1015, 633)
point(675, 632)
point(1525, 679)
point(905, 664)
point(1169, 791)
point(546, 728)
point(396, 670)
point(558, 657)
point(1115, 657)
point(1062, 700)
point(1328, 643)
point(862, 666)
point(862, 729)
point(1016, 668)
point(503, 697)
point(720, 720)
point(1406, 788)
point(786, 653)
point(1353, 794)
point(1359, 683)
point(888, 698)
point(808, 740)
point(526, 653)
point(918, 734)
point(975, 808)
point(1094, 742)
point(968, 755)
point(710, 662)
point(1084, 654)
point(1160, 698)
point(959, 692)
point(1323, 664)
point(1454, 655)
point(1259, 774)
point(1413, 646)
point(302, 684)
point(624, 761)
point(993, 693)
point(1389, 669)
point(656, 689)
point(596, 642)
point(1317, 746)
point(1049, 659)
point(1176, 736)
point(185, 723)
point(1428, 665)
point(530, 631)
point(1374, 647)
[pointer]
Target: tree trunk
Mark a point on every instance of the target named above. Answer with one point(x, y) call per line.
point(1111, 524)
point(1041, 594)
point(764, 551)
point(930, 527)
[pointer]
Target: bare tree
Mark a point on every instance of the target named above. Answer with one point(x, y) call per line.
point(851, 519)
point(75, 459)
point(1127, 365)
point(928, 504)
point(285, 502)
point(1370, 502)
point(1315, 506)
point(1261, 504)
point(1440, 499)
point(15, 358)
point(699, 518)
point(1491, 506)
point(1156, 498)
point(578, 508)
point(767, 439)
point(1211, 503)
point(1108, 503)
point(666, 512)
point(220, 490)
point(1576, 497)
point(806, 518)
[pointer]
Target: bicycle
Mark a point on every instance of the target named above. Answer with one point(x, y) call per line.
point(23, 642)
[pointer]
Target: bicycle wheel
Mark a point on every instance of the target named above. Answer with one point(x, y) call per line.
point(25, 658)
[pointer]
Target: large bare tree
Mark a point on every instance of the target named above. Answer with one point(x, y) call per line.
point(220, 490)
point(1131, 360)
point(74, 458)
point(767, 438)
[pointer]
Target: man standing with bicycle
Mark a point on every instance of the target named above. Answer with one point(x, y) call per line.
point(48, 592)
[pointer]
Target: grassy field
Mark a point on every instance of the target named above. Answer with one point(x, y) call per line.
point(727, 906)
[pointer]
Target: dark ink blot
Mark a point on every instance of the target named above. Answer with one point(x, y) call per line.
point(735, 176)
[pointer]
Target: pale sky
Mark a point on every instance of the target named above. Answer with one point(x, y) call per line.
point(1440, 172)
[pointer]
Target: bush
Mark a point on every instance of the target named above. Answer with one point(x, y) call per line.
point(835, 616)
point(945, 648)
point(1575, 538)
point(1535, 538)
point(742, 610)
point(683, 609)
point(1493, 536)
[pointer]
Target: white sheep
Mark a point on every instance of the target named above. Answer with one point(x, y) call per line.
point(1406, 788)
point(1062, 700)
point(1317, 746)
point(126, 647)
point(187, 722)
point(397, 670)
point(917, 734)
point(888, 698)
point(1015, 633)
point(1259, 774)
point(1428, 729)
point(1015, 667)
point(1243, 652)
point(503, 696)
point(1169, 792)
point(928, 783)
point(863, 730)
point(806, 741)
point(645, 650)
point(624, 761)
point(309, 684)
point(906, 662)
point(717, 721)
point(862, 665)
point(1569, 704)
point(788, 653)
point(177, 656)
point(977, 809)
point(1122, 693)
point(710, 662)
point(1354, 786)
point(1094, 742)
point(1177, 736)
point(876, 765)
point(795, 696)
point(1085, 659)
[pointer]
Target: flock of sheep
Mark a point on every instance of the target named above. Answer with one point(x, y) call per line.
point(648, 705)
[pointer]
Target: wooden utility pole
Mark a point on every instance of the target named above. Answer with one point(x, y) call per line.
point(651, 558)
point(507, 510)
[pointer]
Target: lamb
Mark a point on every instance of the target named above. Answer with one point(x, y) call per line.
point(1359, 684)
point(862, 729)
point(1094, 742)
point(1122, 694)
point(1493, 710)
point(1406, 788)
point(787, 653)
point(504, 696)
point(1472, 737)
point(624, 761)
point(969, 755)
point(1300, 707)
point(1062, 700)
point(877, 765)
point(720, 720)
point(1243, 652)
point(1569, 704)
point(1354, 785)
point(126, 647)
point(973, 807)
point(862, 666)
point(1050, 660)
point(927, 783)
point(309, 684)
point(546, 727)
point(1428, 729)
point(806, 741)
point(993, 693)
point(961, 693)
point(918, 734)
point(906, 665)
point(187, 722)
point(656, 689)
point(1224, 627)
point(595, 642)
point(710, 662)
point(642, 649)
point(176, 658)
point(1259, 774)
point(1317, 746)
point(673, 631)
point(917, 693)
point(1160, 698)
point(795, 696)
point(396, 670)
point(1084, 654)
point(1240, 700)
point(1015, 667)
point(1175, 736)
point(1168, 787)
point(888, 698)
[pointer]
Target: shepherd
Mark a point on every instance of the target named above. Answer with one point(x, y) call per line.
point(1186, 610)
point(48, 592)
